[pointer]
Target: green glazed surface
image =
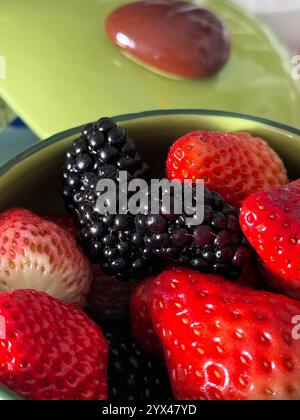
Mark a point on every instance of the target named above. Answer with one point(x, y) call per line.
point(62, 70)
point(32, 179)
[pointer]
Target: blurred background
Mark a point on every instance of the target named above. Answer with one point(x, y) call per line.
point(282, 15)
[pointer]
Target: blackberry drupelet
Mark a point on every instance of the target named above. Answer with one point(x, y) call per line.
point(134, 375)
point(102, 151)
point(135, 247)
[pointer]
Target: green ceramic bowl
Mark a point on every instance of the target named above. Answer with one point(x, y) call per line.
point(32, 179)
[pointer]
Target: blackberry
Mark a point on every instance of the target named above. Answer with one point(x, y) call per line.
point(137, 246)
point(102, 151)
point(134, 375)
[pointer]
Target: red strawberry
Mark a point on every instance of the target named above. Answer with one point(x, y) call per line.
point(52, 350)
point(224, 341)
point(141, 322)
point(273, 282)
point(271, 221)
point(108, 297)
point(233, 164)
point(37, 254)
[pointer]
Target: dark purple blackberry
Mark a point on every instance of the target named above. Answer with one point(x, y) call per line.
point(102, 151)
point(134, 375)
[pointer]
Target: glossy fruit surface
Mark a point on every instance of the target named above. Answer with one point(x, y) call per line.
point(270, 220)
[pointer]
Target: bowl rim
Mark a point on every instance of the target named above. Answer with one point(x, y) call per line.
point(141, 115)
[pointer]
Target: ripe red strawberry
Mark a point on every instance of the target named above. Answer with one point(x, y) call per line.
point(52, 350)
point(233, 164)
point(37, 254)
point(142, 327)
point(224, 341)
point(141, 322)
point(271, 221)
point(109, 297)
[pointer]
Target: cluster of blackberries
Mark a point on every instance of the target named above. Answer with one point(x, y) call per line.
point(136, 246)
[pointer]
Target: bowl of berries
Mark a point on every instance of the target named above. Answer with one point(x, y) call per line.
point(111, 293)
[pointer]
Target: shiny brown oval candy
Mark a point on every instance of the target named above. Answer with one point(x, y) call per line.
point(174, 36)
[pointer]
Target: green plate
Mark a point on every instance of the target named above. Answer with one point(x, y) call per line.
point(40, 167)
point(62, 70)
